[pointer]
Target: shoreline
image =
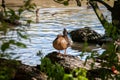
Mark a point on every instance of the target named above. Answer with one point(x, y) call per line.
point(46, 4)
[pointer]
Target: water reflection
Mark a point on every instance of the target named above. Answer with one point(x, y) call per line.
point(52, 21)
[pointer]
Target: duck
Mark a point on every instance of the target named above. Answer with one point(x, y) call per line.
point(62, 42)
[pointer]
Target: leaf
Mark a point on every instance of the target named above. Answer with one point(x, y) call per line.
point(68, 77)
point(29, 21)
point(22, 36)
point(82, 78)
point(60, 0)
point(66, 3)
point(11, 11)
point(12, 41)
point(5, 46)
point(19, 44)
point(20, 11)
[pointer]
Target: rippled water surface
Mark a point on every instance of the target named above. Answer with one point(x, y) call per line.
point(51, 22)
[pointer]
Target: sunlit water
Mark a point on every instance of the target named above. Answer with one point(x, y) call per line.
point(51, 23)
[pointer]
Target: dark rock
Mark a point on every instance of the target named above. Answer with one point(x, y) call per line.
point(19, 71)
point(85, 34)
point(99, 74)
point(69, 62)
point(25, 72)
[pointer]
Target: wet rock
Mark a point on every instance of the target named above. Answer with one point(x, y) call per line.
point(85, 34)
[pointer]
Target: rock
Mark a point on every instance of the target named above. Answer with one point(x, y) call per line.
point(99, 74)
point(15, 70)
point(69, 62)
point(85, 34)
point(25, 72)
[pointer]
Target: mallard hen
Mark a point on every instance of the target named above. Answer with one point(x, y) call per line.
point(62, 41)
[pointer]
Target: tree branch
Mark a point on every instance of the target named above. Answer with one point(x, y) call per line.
point(78, 2)
point(105, 4)
point(61, 1)
point(58, 1)
point(4, 6)
point(98, 13)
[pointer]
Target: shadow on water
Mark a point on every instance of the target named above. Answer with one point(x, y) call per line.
point(51, 23)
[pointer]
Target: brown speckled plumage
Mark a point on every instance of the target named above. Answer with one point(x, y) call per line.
point(62, 41)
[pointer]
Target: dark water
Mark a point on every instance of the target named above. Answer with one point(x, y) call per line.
point(51, 22)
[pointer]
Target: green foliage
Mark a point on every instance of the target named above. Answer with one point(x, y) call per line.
point(65, 2)
point(40, 54)
point(111, 30)
point(54, 71)
point(77, 74)
point(9, 21)
point(6, 45)
point(4, 28)
point(8, 69)
point(22, 35)
point(6, 73)
point(28, 5)
point(109, 56)
point(85, 46)
point(12, 15)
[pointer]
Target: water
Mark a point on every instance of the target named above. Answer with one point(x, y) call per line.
point(51, 23)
